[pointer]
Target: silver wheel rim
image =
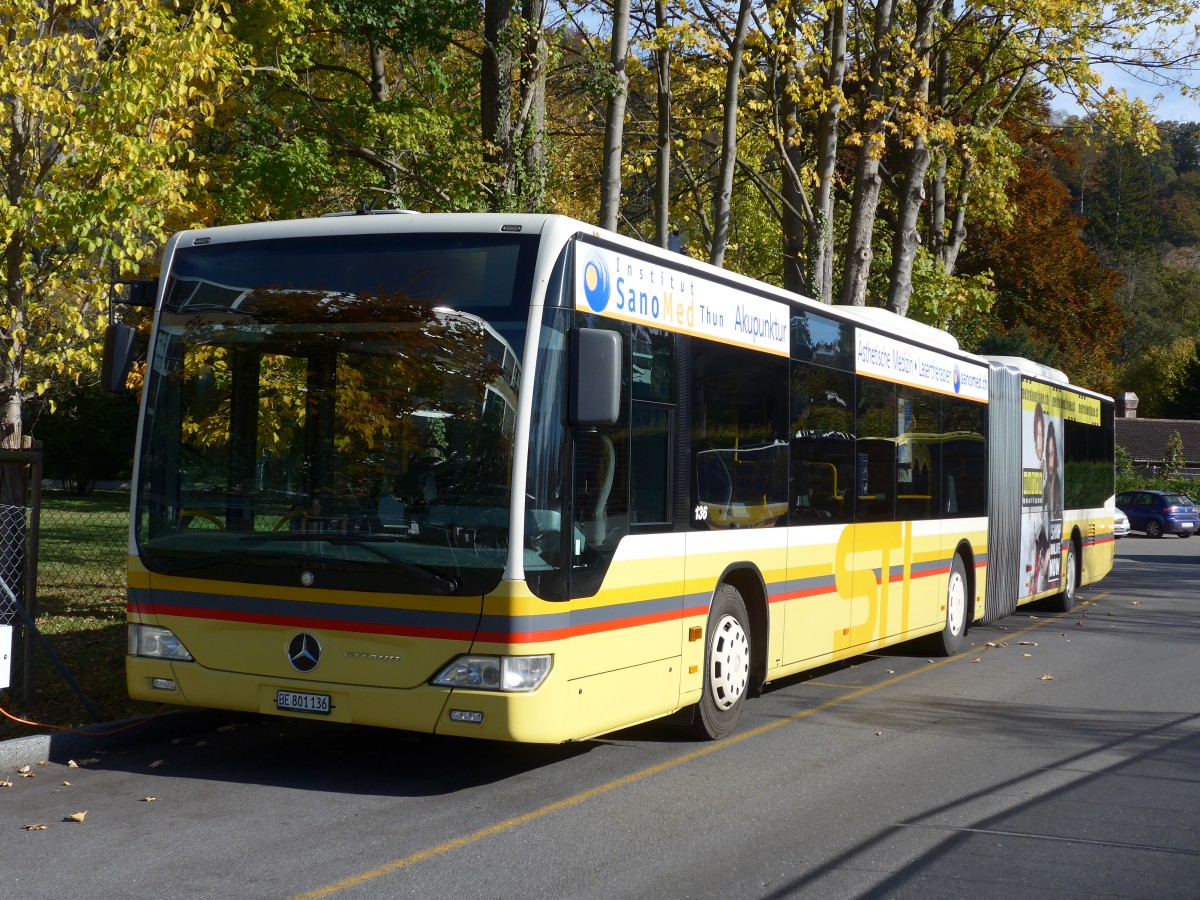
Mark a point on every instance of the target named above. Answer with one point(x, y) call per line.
point(1070, 573)
point(729, 666)
point(956, 602)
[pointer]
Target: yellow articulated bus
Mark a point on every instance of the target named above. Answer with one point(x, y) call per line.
point(514, 477)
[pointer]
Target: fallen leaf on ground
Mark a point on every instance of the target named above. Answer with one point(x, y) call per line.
point(5, 783)
point(35, 827)
point(1047, 678)
point(977, 659)
point(71, 764)
point(157, 764)
point(66, 784)
point(148, 799)
point(75, 817)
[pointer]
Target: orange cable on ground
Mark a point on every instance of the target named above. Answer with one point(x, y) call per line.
point(4, 712)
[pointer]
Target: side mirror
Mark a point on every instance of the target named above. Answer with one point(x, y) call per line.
point(119, 342)
point(595, 372)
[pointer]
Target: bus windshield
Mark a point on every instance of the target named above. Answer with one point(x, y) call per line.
point(336, 414)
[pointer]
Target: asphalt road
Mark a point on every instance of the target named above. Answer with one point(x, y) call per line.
point(1057, 757)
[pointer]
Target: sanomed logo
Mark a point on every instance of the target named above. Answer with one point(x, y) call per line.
point(595, 283)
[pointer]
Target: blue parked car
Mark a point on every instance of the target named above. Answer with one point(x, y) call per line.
point(1159, 512)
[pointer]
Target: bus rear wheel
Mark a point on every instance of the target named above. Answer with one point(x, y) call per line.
point(1065, 601)
point(726, 666)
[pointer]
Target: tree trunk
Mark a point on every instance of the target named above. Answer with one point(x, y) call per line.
point(833, 76)
point(531, 185)
point(958, 227)
point(906, 239)
point(937, 194)
point(867, 180)
point(723, 194)
point(662, 138)
point(614, 124)
point(495, 99)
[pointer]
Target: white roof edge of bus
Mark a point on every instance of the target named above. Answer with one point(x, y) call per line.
point(369, 224)
point(559, 228)
point(1029, 367)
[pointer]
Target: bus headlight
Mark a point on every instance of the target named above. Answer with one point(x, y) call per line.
point(157, 643)
point(495, 673)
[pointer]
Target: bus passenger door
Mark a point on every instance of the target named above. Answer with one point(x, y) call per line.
point(817, 602)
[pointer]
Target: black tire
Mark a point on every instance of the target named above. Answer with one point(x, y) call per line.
point(1185, 534)
point(726, 666)
point(1154, 528)
point(950, 640)
point(1064, 601)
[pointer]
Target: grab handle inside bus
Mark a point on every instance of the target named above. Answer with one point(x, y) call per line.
point(595, 389)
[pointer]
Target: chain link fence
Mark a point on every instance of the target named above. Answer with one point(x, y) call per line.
point(62, 567)
point(13, 536)
point(81, 554)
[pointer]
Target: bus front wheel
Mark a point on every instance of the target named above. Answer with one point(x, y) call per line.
point(950, 640)
point(726, 666)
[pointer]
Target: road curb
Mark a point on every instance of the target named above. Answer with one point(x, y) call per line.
point(62, 746)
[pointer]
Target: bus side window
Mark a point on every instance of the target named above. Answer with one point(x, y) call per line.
point(739, 437)
point(822, 445)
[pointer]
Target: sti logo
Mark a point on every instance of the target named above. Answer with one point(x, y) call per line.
point(595, 283)
point(957, 379)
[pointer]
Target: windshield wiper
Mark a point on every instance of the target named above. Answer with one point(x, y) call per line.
point(184, 565)
point(439, 583)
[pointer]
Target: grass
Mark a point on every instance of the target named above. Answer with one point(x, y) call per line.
point(81, 612)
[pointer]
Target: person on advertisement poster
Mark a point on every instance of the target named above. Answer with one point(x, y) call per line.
point(1052, 488)
point(1052, 505)
point(1034, 540)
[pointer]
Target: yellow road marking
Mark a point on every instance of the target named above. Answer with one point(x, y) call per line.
point(576, 799)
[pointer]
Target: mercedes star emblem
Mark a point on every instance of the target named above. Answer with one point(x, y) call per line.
point(304, 652)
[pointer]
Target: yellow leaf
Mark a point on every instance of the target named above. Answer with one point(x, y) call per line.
point(1047, 678)
point(148, 799)
point(35, 827)
point(75, 817)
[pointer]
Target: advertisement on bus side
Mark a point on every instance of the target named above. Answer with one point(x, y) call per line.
point(647, 292)
point(1042, 414)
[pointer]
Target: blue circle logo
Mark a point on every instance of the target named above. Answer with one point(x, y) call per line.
point(595, 284)
point(957, 380)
